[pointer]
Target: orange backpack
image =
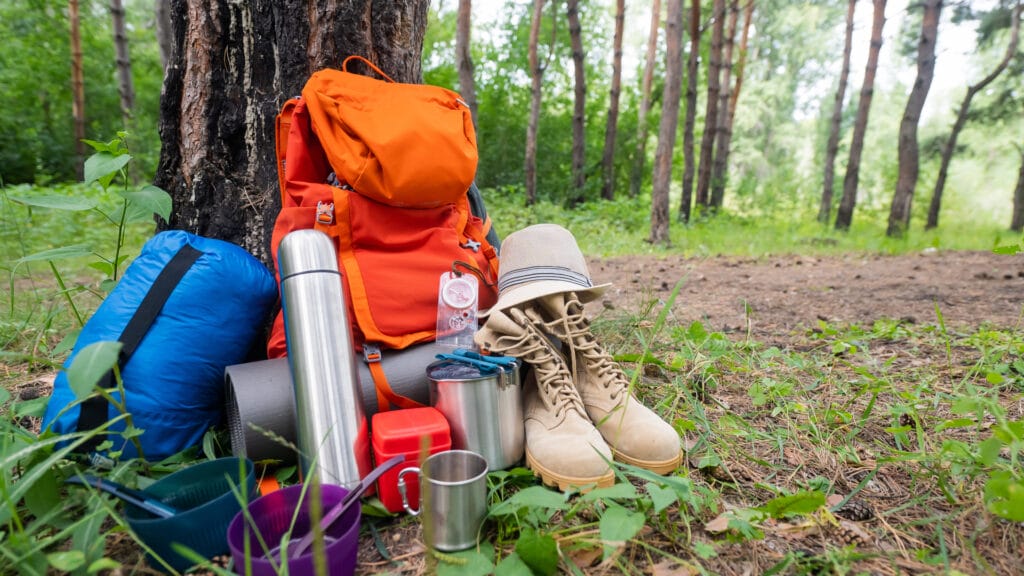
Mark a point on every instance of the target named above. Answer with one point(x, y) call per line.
point(383, 168)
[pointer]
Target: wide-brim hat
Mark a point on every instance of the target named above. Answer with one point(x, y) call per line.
point(541, 260)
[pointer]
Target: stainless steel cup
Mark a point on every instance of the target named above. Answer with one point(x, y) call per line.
point(484, 411)
point(453, 498)
point(332, 427)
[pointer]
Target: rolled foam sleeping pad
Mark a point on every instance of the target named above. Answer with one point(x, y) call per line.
point(260, 393)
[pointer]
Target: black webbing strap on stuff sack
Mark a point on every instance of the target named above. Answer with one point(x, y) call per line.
point(94, 409)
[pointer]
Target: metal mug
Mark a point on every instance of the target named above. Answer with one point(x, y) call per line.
point(484, 411)
point(453, 498)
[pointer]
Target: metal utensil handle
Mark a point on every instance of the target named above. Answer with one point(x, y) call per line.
point(401, 489)
point(343, 506)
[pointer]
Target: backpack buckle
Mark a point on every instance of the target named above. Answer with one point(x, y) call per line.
point(325, 213)
point(371, 353)
point(472, 245)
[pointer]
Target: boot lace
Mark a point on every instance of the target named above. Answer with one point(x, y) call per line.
point(574, 329)
point(553, 378)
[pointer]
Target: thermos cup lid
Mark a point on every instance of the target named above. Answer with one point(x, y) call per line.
point(305, 251)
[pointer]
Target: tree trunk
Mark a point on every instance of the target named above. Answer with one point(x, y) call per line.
point(611, 125)
point(533, 124)
point(748, 16)
point(1017, 223)
point(832, 147)
point(719, 167)
point(844, 216)
point(669, 120)
point(232, 65)
point(707, 144)
point(906, 182)
point(463, 57)
point(645, 101)
point(162, 16)
point(579, 137)
point(77, 87)
point(685, 201)
point(961, 118)
point(124, 62)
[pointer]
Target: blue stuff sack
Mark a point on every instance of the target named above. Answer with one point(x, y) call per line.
point(196, 306)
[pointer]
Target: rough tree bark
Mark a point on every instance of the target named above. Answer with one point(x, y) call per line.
point(1017, 222)
point(77, 86)
point(640, 157)
point(612, 122)
point(463, 57)
point(662, 176)
point(719, 166)
point(579, 136)
point(231, 66)
point(707, 143)
point(832, 147)
point(689, 167)
point(533, 124)
point(844, 216)
point(961, 118)
point(909, 161)
point(124, 63)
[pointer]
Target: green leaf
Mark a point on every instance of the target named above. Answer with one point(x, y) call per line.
point(44, 494)
point(512, 565)
point(470, 562)
point(62, 253)
point(4, 396)
point(1008, 249)
point(90, 364)
point(67, 342)
point(619, 525)
point(531, 497)
point(102, 167)
point(795, 504)
point(622, 490)
point(988, 451)
point(66, 561)
point(148, 201)
point(704, 550)
point(73, 203)
point(1004, 496)
point(661, 497)
point(538, 551)
point(994, 378)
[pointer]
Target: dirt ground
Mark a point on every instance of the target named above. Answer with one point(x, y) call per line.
point(783, 294)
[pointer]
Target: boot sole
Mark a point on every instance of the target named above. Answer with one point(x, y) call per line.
point(658, 467)
point(550, 478)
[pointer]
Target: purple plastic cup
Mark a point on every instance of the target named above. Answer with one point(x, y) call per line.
point(272, 517)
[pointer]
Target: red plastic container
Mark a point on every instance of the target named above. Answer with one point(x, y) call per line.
point(401, 432)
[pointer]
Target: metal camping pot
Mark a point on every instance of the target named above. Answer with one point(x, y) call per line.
point(332, 427)
point(484, 411)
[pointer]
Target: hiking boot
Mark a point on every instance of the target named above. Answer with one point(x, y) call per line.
point(562, 445)
point(635, 433)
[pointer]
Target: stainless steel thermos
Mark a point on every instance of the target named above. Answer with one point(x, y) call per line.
point(332, 427)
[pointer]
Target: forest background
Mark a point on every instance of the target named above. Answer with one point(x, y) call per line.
point(786, 58)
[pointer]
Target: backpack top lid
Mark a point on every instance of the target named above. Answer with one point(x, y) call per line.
point(410, 145)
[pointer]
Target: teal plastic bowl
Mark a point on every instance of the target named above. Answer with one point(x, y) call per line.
point(206, 503)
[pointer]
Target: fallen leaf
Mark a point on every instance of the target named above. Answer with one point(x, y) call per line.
point(586, 557)
point(718, 525)
point(834, 499)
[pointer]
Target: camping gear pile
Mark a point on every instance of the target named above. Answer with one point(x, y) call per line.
point(387, 267)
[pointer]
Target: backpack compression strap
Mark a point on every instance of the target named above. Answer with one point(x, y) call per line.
point(94, 409)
